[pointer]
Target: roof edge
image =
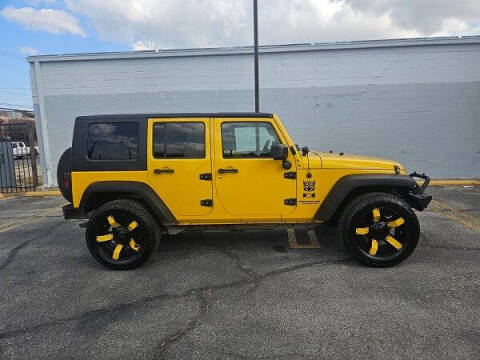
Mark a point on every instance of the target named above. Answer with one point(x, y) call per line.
point(179, 115)
point(265, 49)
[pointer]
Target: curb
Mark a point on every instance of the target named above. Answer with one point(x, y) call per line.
point(452, 182)
point(43, 193)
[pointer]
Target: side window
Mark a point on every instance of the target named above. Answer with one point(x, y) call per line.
point(112, 141)
point(248, 139)
point(159, 140)
point(179, 140)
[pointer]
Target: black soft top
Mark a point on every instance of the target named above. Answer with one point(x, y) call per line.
point(178, 115)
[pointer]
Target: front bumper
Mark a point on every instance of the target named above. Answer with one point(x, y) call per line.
point(419, 201)
point(417, 198)
point(69, 212)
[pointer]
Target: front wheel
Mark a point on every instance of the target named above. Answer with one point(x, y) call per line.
point(122, 234)
point(379, 229)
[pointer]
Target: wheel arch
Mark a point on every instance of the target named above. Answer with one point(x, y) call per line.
point(99, 193)
point(349, 187)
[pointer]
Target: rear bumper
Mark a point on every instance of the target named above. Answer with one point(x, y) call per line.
point(417, 198)
point(69, 212)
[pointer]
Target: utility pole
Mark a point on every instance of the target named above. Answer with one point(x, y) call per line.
point(255, 55)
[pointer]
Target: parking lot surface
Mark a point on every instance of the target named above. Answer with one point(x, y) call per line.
point(239, 295)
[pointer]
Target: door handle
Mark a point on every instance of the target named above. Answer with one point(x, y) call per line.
point(225, 171)
point(163, 171)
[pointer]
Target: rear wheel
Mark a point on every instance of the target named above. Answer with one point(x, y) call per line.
point(379, 229)
point(122, 234)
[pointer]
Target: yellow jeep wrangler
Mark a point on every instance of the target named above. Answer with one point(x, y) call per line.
point(136, 177)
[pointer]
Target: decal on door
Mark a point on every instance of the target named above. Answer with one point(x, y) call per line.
point(309, 189)
point(308, 197)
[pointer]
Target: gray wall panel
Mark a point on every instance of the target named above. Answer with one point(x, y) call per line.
point(423, 133)
point(419, 105)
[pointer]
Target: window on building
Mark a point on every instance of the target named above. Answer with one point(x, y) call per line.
point(248, 139)
point(112, 141)
point(179, 140)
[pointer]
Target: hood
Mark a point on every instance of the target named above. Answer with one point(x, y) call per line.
point(349, 161)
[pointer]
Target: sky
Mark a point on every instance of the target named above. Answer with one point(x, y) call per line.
point(32, 27)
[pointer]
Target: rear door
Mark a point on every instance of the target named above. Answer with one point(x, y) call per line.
point(179, 164)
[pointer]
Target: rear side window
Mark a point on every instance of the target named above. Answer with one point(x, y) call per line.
point(179, 140)
point(112, 141)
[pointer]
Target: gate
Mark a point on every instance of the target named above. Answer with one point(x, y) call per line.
point(18, 158)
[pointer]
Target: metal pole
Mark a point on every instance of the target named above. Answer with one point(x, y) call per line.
point(255, 55)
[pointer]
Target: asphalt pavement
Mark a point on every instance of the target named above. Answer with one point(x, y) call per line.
point(239, 295)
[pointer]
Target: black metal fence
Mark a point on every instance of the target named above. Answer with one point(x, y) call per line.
point(18, 158)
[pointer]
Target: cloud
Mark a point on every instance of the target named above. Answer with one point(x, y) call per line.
point(50, 20)
point(27, 50)
point(167, 23)
point(148, 24)
point(425, 16)
point(144, 45)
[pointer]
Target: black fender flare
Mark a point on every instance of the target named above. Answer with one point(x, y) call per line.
point(363, 183)
point(134, 189)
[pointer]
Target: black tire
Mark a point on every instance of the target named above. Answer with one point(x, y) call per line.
point(146, 235)
point(376, 248)
point(64, 174)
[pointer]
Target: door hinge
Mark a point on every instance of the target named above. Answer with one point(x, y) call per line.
point(206, 176)
point(206, 202)
point(290, 202)
point(290, 175)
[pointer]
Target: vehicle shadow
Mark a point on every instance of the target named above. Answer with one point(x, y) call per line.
point(249, 243)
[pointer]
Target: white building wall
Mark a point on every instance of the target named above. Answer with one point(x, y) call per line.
point(418, 104)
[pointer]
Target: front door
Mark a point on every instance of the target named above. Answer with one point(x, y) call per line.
point(178, 153)
point(249, 182)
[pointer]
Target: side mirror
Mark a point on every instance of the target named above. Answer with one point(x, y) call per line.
point(279, 152)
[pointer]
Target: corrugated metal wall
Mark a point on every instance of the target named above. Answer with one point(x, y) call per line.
point(417, 104)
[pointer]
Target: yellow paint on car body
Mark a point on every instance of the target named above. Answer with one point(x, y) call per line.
point(351, 161)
